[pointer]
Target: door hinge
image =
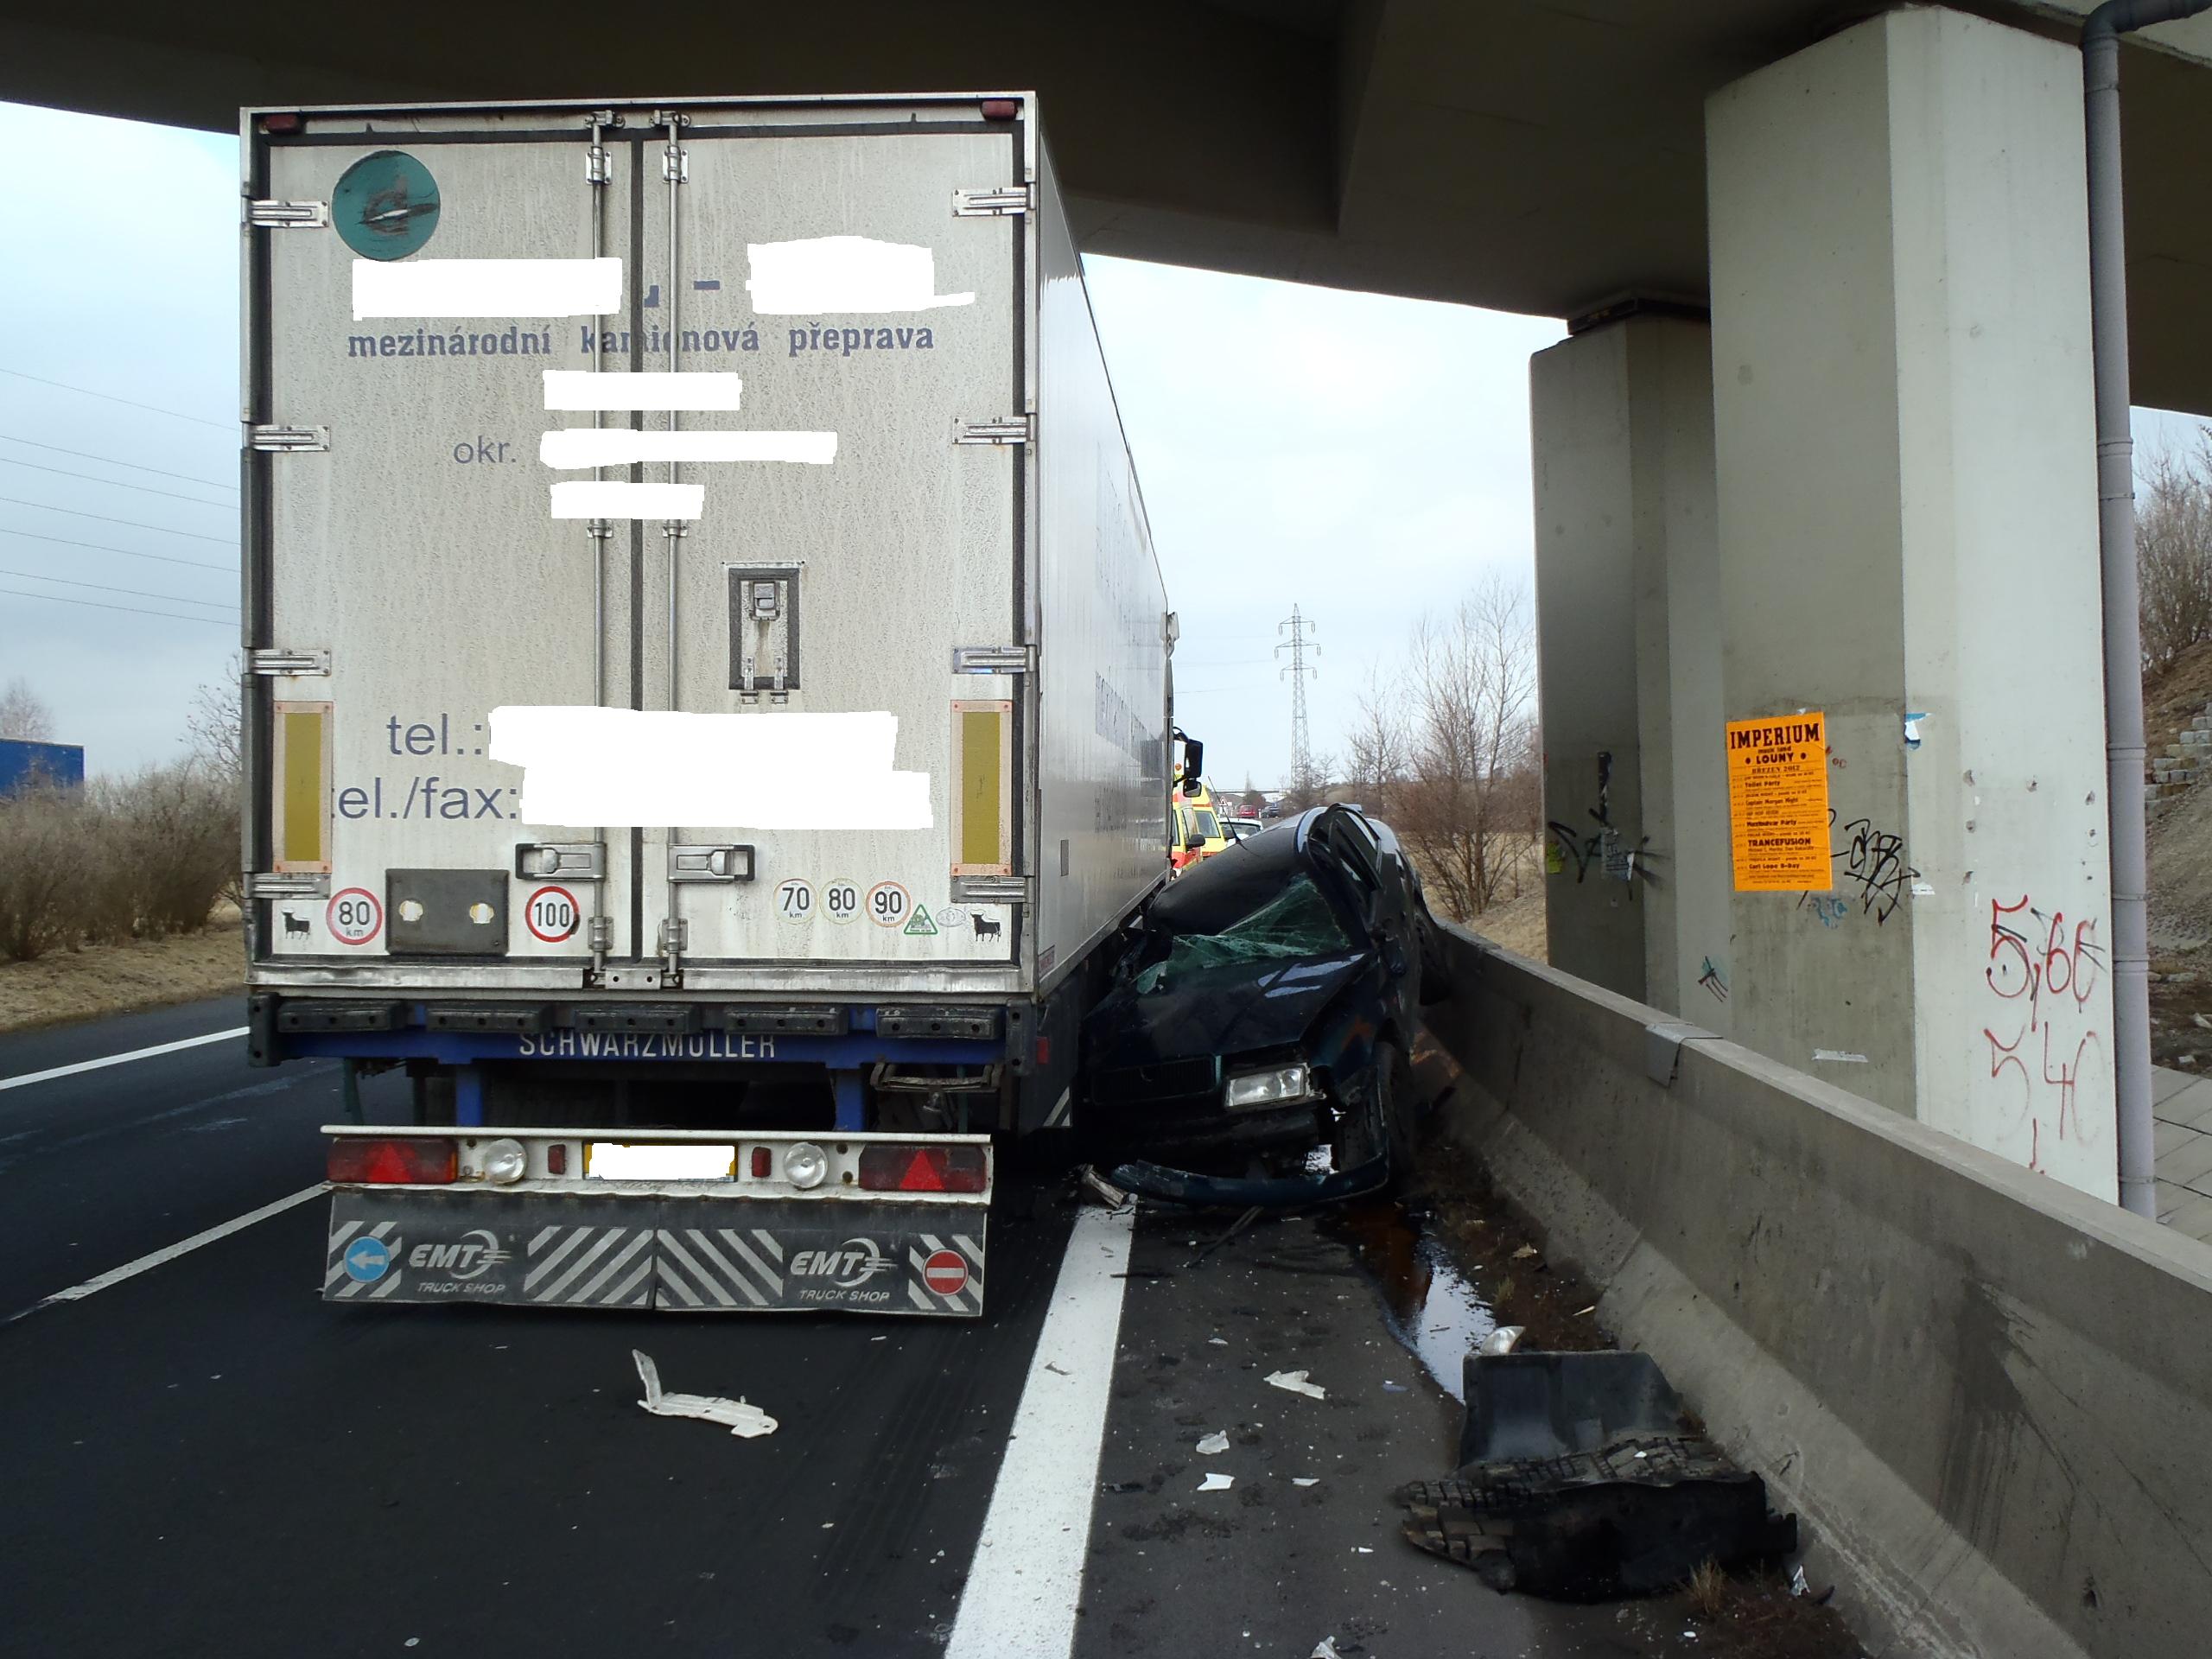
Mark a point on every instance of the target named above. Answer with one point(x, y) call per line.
point(271, 884)
point(273, 660)
point(599, 935)
point(597, 168)
point(991, 889)
point(288, 215)
point(287, 440)
point(1004, 429)
point(994, 659)
point(1000, 202)
point(570, 861)
point(709, 863)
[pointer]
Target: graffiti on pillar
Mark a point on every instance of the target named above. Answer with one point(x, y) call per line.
point(2044, 971)
point(1830, 910)
point(1714, 980)
point(1873, 864)
point(1602, 848)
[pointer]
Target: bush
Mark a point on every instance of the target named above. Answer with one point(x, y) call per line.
point(132, 858)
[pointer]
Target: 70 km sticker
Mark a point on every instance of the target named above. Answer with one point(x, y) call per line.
point(355, 916)
point(552, 914)
point(795, 901)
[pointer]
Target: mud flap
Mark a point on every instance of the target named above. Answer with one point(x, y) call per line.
point(549, 1250)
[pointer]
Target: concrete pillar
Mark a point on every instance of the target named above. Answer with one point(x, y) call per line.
point(1908, 542)
point(1627, 592)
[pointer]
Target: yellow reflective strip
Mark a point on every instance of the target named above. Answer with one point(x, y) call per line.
point(305, 811)
point(980, 773)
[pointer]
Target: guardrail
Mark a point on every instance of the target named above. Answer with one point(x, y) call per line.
point(1989, 1396)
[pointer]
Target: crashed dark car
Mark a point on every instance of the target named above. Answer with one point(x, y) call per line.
point(1255, 1045)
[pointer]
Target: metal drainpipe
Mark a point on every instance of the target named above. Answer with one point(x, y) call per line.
point(2124, 743)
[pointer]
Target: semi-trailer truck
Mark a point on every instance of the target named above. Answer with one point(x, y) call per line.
point(707, 688)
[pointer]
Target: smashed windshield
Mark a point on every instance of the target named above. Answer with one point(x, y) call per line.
point(1296, 923)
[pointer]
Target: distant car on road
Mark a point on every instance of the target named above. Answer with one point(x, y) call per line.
point(1263, 1009)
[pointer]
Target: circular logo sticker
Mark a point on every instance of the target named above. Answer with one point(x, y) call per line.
point(946, 1272)
point(887, 904)
point(795, 901)
point(355, 916)
point(552, 914)
point(386, 206)
point(841, 901)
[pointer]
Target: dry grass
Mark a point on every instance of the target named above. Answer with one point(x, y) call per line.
point(1708, 1588)
point(103, 979)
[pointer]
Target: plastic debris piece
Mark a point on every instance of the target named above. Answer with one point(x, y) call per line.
point(1217, 1482)
point(1394, 1387)
point(1296, 1383)
point(1524, 1252)
point(1213, 1445)
point(1217, 1342)
point(1305, 1480)
point(1798, 1587)
point(1325, 1649)
point(749, 1422)
point(1504, 1339)
point(1579, 1312)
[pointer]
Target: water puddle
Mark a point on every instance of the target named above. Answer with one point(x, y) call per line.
point(1429, 1304)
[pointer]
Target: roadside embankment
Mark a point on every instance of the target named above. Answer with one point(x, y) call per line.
point(1989, 1396)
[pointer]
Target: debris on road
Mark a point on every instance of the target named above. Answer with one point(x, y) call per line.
point(1102, 1189)
point(1213, 1445)
point(1501, 1340)
point(1524, 1252)
point(1217, 1482)
point(1325, 1649)
point(1296, 1383)
point(1305, 1480)
point(1576, 1483)
point(749, 1422)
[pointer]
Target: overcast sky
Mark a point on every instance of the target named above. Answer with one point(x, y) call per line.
point(1355, 455)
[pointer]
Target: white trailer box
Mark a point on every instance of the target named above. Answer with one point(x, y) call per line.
point(707, 663)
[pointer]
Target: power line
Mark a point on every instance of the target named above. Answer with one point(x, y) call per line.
point(136, 593)
point(135, 523)
point(117, 483)
point(102, 547)
point(110, 461)
point(135, 610)
point(109, 397)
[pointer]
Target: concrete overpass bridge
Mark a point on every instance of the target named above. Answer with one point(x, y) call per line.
point(1819, 454)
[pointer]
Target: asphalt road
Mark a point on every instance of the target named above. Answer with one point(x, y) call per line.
point(206, 1458)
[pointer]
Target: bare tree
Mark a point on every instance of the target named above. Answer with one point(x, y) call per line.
point(23, 713)
point(211, 730)
point(2173, 554)
point(1467, 807)
point(1380, 744)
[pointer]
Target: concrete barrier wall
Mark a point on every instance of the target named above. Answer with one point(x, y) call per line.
point(1989, 1396)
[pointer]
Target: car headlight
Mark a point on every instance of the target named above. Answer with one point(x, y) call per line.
point(1280, 1085)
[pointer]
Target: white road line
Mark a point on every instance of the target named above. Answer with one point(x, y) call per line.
point(118, 1059)
point(1027, 1575)
point(132, 1269)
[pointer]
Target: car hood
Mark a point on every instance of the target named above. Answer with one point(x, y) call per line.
point(1231, 1009)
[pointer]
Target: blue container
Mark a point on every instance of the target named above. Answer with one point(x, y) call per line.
point(26, 764)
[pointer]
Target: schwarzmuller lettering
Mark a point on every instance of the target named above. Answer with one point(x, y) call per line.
point(1781, 731)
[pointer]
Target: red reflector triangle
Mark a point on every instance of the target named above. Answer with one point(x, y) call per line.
point(922, 1175)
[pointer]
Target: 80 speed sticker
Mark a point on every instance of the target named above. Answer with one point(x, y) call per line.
point(355, 916)
point(841, 901)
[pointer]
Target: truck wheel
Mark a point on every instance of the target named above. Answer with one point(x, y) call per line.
point(1401, 1110)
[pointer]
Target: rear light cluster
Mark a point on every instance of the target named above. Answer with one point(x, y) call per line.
point(363, 1161)
point(922, 1169)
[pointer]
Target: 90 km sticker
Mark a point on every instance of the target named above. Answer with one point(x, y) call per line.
point(841, 901)
point(552, 914)
point(355, 916)
point(887, 904)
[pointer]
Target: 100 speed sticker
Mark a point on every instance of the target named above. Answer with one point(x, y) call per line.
point(552, 914)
